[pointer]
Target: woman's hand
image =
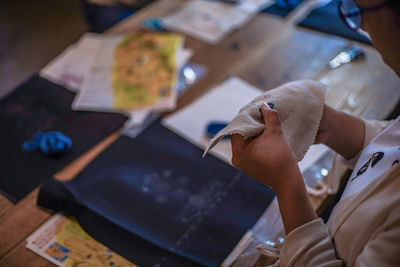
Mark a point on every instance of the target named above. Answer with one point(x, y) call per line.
point(267, 158)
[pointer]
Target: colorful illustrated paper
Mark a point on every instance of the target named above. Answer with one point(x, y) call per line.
point(144, 70)
point(131, 72)
point(62, 241)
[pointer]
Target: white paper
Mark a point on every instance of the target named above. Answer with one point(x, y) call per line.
point(208, 21)
point(70, 68)
point(254, 6)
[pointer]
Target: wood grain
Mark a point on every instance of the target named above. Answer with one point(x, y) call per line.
point(20, 221)
point(266, 52)
point(5, 205)
point(20, 256)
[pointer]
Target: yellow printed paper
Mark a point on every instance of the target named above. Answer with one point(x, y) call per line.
point(62, 241)
point(144, 71)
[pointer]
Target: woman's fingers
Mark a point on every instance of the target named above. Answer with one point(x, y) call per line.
point(238, 143)
point(271, 120)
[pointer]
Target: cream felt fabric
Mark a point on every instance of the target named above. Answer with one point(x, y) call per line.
point(299, 105)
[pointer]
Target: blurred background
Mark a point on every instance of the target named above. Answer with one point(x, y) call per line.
point(34, 32)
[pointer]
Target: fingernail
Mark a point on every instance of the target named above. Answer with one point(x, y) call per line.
point(266, 105)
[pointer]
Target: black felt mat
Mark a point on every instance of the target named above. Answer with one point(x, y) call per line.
point(39, 105)
point(154, 200)
point(327, 19)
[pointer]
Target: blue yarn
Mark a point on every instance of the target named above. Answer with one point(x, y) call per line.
point(50, 143)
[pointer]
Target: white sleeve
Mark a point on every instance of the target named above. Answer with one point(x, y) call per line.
point(309, 245)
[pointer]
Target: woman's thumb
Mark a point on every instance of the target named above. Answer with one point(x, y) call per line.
point(271, 118)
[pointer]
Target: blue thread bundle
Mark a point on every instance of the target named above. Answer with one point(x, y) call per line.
point(51, 143)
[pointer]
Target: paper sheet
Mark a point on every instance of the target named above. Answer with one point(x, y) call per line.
point(70, 68)
point(208, 21)
point(62, 241)
point(254, 6)
point(102, 92)
point(190, 73)
point(79, 61)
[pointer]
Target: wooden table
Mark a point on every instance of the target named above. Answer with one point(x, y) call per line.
point(266, 52)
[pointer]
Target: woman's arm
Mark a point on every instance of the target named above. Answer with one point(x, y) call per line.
point(341, 132)
point(269, 160)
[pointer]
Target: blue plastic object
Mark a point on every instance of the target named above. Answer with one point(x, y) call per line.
point(213, 127)
point(153, 24)
point(50, 143)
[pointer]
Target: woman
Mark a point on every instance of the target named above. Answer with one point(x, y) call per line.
point(364, 227)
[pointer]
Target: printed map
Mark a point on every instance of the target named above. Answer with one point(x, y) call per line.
point(145, 69)
point(62, 241)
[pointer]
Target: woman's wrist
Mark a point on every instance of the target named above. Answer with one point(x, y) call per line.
point(346, 133)
point(294, 204)
point(289, 183)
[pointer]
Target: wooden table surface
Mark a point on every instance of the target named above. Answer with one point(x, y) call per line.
point(266, 52)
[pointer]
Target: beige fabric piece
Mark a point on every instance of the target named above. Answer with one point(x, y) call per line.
point(299, 105)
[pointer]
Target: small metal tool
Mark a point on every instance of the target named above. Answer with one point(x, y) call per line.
point(352, 53)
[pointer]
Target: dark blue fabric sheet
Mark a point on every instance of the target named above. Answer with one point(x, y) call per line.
point(157, 190)
point(282, 8)
point(101, 18)
point(39, 105)
point(327, 19)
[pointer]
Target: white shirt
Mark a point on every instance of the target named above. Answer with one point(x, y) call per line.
point(381, 154)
